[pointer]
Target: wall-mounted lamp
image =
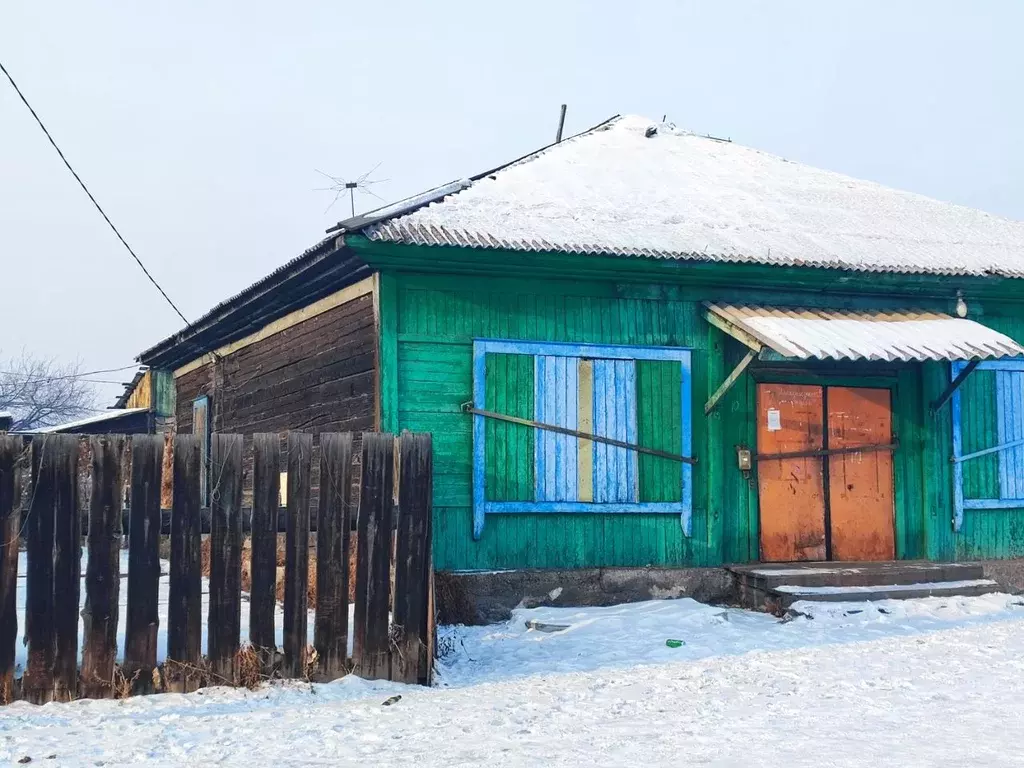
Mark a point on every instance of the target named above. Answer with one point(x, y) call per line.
point(961, 305)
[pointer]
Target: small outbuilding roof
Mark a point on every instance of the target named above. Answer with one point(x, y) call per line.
point(111, 420)
point(634, 187)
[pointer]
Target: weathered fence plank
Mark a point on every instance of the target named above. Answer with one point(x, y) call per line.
point(296, 568)
point(224, 622)
point(373, 566)
point(143, 610)
point(330, 631)
point(184, 620)
point(393, 628)
point(67, 566)
point(10, 529)
point(266, 496)
point(37, 683)
point(412, 650)
point(103, 570)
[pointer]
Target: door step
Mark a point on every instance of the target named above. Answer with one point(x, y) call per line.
point(787, 594)
point(775, 587)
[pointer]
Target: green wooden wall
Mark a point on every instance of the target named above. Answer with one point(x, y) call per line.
point(996, 533)
point(428, 323)
point(437, 319)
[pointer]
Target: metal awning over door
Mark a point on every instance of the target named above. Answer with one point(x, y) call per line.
point(819, 334)
point(775, 333)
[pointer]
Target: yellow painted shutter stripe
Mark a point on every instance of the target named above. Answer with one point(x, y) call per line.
point(585, 420)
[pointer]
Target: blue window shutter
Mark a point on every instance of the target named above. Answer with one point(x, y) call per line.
point(615, 469)
point(555, 390)
point(1010, 424)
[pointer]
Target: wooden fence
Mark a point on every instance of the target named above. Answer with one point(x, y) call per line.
point(392, 632)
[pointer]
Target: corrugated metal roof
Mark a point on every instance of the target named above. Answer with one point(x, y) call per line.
point(803, 334)
point(617, 190)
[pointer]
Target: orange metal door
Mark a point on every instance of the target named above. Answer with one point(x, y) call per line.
point(860, 484)
point(791, 491)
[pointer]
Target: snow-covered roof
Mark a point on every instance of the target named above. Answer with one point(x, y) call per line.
point(71, 426)
point(625, 189)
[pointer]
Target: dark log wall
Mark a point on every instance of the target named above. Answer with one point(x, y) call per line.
point(317, 376)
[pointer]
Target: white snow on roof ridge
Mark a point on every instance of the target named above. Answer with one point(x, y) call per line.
point(676, 194)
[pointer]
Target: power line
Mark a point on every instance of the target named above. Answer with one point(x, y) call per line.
point(93, 199)
point(28, 404)
point(31, 379)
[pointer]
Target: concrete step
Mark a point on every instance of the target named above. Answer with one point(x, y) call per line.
point(768, 576)
point(758, 586)
point(785, 595)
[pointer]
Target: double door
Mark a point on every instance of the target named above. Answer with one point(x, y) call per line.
point(825, 473)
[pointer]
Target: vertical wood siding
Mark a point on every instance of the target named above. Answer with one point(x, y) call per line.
point(509, 460)
point(997, 533)
point(556, 387)
point(615, 417)
point(659, 418)
point(438, 318)
point(979, 412)
point(1010, 427)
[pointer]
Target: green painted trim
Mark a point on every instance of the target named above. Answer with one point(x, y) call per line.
point(388, 354)
point(546, 264)
point(824, 378)
point(714, 475)
point(901, 494)
point(163, 392)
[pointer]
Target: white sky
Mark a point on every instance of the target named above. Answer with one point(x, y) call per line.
point(199, 125)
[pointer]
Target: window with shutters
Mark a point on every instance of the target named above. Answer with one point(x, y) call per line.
point(988, 438)
point(534, 403)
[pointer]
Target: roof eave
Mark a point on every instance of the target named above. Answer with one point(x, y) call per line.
point(304, 279)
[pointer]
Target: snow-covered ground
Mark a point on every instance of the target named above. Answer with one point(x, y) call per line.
point(936, 681)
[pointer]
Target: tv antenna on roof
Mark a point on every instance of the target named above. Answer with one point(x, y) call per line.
point(361, 183)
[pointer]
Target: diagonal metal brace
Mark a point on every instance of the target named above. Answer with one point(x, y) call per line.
point(940, 401)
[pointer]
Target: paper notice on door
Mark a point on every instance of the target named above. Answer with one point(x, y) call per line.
point(774, 420)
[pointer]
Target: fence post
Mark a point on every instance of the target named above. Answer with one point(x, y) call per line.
point(330, 632)
point(10, 523)
point(144, 520)
point(51, 608)
point(67, 566)
point(296, 568)
point(103, 571)
point(223, 626)
point(373, 564)
point(266, 497)
point(37, 683)
point(412, 651)
point(184, 619)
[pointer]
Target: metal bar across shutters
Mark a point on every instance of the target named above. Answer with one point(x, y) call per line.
point(468, 408)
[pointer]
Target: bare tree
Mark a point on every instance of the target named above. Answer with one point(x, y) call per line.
point(42, 392)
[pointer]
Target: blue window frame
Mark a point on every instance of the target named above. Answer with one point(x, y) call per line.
point(1009, 440)
point(590, 388)
point(201, 420)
